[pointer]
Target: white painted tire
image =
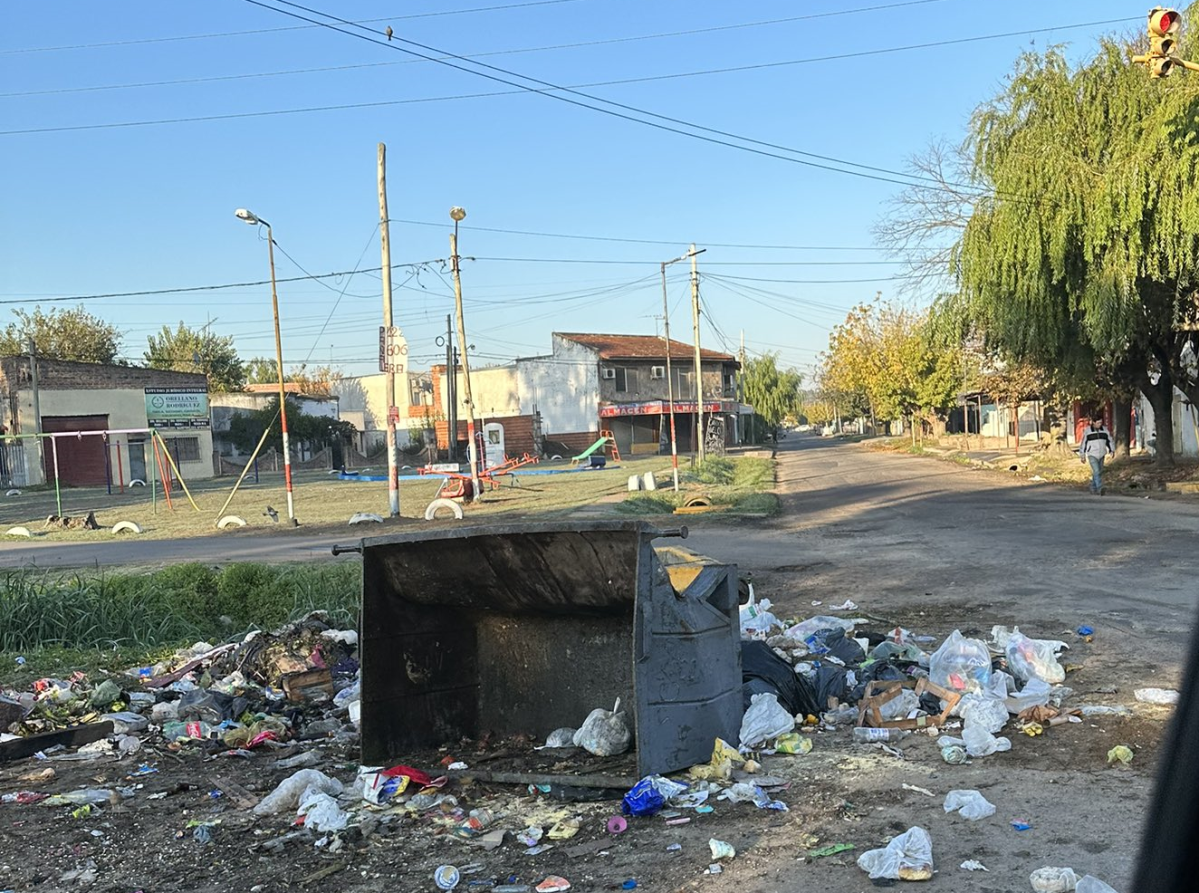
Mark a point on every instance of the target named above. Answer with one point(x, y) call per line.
point(19, 531)
point(13, 492)
point(437, 504)
point(366, 518)
point(230, 521)
point(122, 526)
point(137, 482)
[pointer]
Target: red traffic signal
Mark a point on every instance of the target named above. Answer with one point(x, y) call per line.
point(1164, 22)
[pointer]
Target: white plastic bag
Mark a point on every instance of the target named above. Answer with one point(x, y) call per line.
point(908, 857)
point(287, 795)
point(981, 743)
point(1156, 696)
point(969, 804)
point(801, 631)
point(561, 738)
point(1034, 658)
point(1036, 693)
point(961, 664)
point(990, 713)
point(900, 706)
point(321, 812)
point(756, 619)
point(1053, 880)
point(604, 733)
point(1092, 885)
point(765, 720)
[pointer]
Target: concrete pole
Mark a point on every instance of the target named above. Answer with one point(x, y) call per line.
point(37, 409)
point(699, 376)
point(389, 379)
point(674, 444)
point(291, 509)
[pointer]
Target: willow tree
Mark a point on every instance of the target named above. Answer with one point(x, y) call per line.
point(1088, 242)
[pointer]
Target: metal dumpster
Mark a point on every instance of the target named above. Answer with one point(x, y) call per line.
point(525, 628)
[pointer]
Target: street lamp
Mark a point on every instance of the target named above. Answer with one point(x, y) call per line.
point(252, 219)
point(458, 215)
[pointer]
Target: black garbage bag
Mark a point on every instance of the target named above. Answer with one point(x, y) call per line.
point(878, 671)
point(764, 671)
point(831, 682)
point(211, 706)
point(841, 646)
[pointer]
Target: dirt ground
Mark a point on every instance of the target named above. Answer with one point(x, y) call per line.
point(918, 544)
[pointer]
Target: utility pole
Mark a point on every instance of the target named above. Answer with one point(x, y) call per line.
point(699, 375)
point(740, 387)
point(451, 390)
point(389, 379)
point(37, 406)
point(458, 215)
point(674, 443)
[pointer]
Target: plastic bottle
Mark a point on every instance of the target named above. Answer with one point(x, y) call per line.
point(863, 735)
point(173, 731)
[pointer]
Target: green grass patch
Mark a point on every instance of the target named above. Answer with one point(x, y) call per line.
point(643, 504)
point(757, 504)
point(181, 604)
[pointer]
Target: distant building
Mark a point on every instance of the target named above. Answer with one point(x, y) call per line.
point(126, 401)
point(256, 397)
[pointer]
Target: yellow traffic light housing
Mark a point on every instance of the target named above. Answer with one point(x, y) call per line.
point(1164, 25)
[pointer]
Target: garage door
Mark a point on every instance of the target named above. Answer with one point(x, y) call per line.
point(80, 459)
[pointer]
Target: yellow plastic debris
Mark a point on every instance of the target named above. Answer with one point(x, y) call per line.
point(720, 767)
point(1120, 752)
point(793, 742)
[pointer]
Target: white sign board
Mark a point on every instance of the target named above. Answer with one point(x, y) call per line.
point(393, 350)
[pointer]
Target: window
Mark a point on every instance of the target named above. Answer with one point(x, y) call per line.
point(626, 380)
point(185, 449)
point(684, 384)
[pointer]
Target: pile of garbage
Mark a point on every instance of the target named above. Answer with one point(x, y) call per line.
point(832, 670)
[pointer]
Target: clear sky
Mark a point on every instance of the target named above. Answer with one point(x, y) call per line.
point(129, 133)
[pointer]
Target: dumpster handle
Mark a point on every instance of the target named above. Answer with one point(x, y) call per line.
point(679, 532)
point(343, 550)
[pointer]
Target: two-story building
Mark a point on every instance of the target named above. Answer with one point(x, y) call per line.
point(594, 382)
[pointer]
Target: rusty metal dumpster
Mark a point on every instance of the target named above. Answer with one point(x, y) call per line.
point(522, 629)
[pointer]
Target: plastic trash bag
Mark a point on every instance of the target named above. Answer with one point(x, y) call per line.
point(561, 738)
point(1156, 696)
point(990, 713)
point(756, 619)
point(900, 706)
point(981, 743)
point(1091, 884)
point(744, 792)
point(1053, 880)
point(649, 796)
point(604, 733)
point(1034, 658)
point(765, 720)
point(908, 857)
point(802, 631)
point(961, 664)
point(1036, 693)
point(287, 795)
point(321, 812)
point(969, 805)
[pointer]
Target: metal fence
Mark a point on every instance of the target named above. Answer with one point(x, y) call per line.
point(18, 463)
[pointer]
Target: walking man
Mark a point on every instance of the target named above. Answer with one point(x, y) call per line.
point(1096, 446)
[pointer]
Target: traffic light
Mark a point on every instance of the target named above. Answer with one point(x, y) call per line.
point(1163, 40)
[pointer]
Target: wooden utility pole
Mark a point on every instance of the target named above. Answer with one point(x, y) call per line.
point(740, 388)
point(37, 407)
point(699, 375)
point(389, 379)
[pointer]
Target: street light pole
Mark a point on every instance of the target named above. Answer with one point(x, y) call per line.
point(249, 217)
point(389, 379)
point(674, 448)
point(458, 215)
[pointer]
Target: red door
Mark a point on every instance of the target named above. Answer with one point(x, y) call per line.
point(80, 459)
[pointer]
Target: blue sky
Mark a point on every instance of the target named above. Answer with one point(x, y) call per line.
point(145, 207)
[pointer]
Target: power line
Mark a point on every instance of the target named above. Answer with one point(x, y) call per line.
point(861, 171)
point(611, 112)
point(417, 15)
point(508, 52)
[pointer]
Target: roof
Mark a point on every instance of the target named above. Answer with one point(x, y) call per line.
point(640, 347)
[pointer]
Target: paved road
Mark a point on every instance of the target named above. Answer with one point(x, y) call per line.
point(860, 521)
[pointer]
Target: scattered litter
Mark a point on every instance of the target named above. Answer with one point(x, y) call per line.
point(1021, 825)
point(973, 865)
point(1121, 753)
point(846, 606)
point(919, 790)
point(1156, 696)
point(649, 796)
point(561, 738)
point(1053, 880)
point(1090, 884)
point(765, 720)
point(553, 884)
point(969, 804)
point(721, 850)
point(907, 857)
point(791, 743)
point(831, 850)
point(617, 824)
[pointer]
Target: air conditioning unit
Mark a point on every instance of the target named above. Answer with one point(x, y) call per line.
point(657, 371)
point(608, 374)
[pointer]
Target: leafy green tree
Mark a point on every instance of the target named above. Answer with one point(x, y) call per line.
point(66, 334)
point(196, 350)
point(318, 381)
point(772, 392)
point(246, 428)
point(261, 370)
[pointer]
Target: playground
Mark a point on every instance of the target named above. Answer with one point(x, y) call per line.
point(322, 500)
